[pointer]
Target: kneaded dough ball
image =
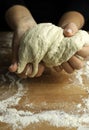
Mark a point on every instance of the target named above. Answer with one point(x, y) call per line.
point(46, 42)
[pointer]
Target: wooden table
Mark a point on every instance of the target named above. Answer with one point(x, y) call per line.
point(51, 93)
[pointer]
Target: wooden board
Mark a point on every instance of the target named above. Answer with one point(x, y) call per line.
point(51, 93)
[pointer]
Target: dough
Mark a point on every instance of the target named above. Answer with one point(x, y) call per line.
point(46, 42)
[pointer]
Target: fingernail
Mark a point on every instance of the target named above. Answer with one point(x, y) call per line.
point(68, 30)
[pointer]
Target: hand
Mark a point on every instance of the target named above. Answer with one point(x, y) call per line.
point(74, 62)
point(15, 47)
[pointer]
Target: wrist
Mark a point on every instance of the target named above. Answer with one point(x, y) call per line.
point(72, 17)
point(25, 23)
point(19, 17)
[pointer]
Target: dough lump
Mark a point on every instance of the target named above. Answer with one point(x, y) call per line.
point(46, 42)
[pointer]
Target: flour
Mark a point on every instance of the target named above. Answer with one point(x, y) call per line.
point(80, 73)
point(19, 119)
point(5, 110)
point(83, 128)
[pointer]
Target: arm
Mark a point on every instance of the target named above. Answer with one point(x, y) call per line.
point(73, 20)
point(77, 12)
point(19, 16)
point(19, 19)
point(72, 17)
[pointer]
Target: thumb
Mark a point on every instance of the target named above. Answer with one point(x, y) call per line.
point(14, 64)
point(70, 29)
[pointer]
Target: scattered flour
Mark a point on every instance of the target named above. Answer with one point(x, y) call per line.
point(80, 73)
point(83, 128)
point(6, 113)
point(20, 119)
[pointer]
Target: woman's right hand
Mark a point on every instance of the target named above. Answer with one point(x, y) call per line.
point(18, 33)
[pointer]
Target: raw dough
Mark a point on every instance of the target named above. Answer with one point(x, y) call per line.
point(46, 42)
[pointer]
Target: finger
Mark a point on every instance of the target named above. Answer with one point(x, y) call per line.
point(41, 68)
point(67, 67)
point(75, 62)
point(27, 71)
point(15, 46)
point(70, 29)
point(84, 52)
point(58, 68)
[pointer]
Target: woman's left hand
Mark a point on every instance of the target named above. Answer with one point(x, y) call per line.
point(74, 62)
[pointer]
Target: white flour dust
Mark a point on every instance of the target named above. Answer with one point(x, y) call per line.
point(80, 73)
point(6, 112)
point(20, 119)
point(83, 128)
